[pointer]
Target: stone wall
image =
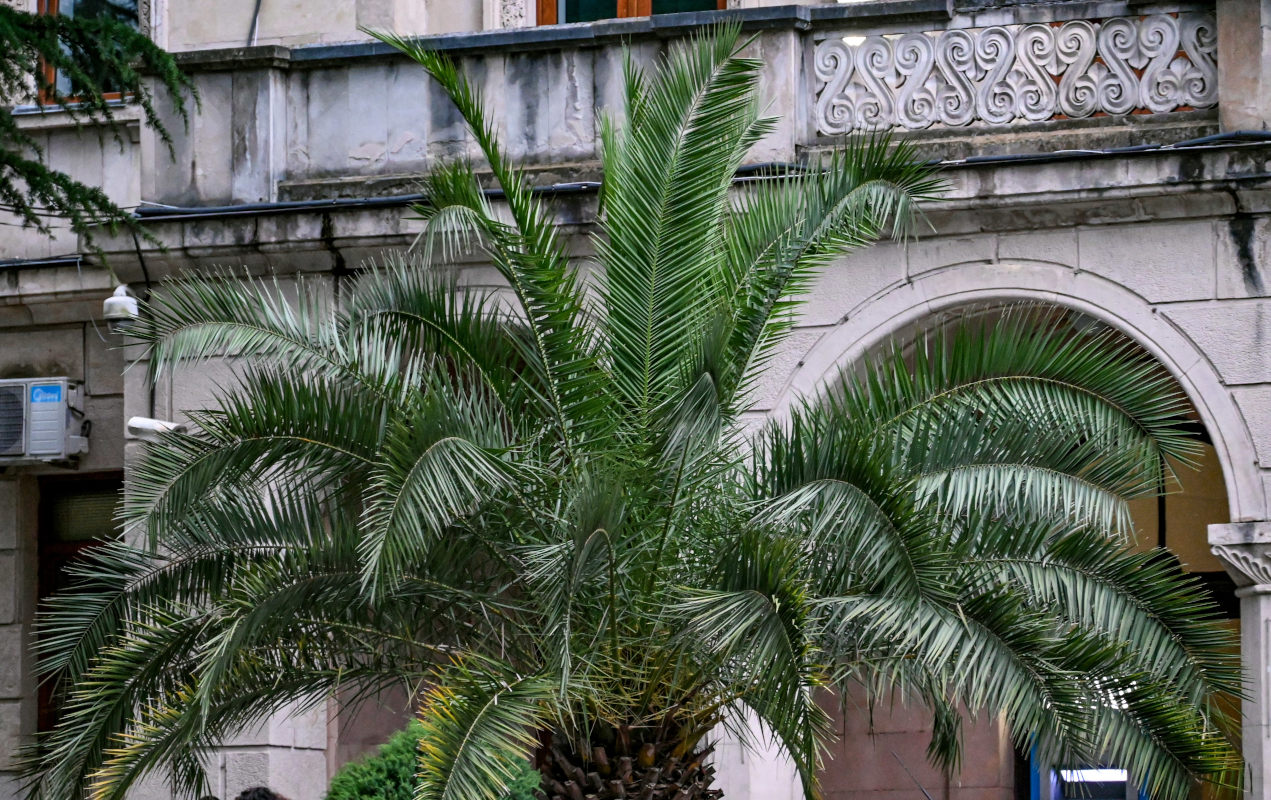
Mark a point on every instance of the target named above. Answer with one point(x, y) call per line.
point(229, 23)
point(883, 756)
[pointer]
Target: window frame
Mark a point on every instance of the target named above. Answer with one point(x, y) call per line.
point(49, 73)
point(548, 10)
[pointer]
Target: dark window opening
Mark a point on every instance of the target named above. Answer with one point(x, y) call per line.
point(76, 514)
point(676, 6)
point(1222, 589)
point(1023, 775)
point(551, 12)
point(589, 10)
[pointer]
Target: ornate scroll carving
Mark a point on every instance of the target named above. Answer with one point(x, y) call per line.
point(1001, 74)
point(1248, 564)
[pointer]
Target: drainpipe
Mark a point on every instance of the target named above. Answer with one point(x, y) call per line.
point(251, 35)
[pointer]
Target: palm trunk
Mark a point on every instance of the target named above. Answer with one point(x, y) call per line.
point(625, 769)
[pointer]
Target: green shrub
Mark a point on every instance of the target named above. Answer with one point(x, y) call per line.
point(390, 773)
point(523, 786)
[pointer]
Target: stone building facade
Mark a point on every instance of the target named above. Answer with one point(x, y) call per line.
point(1106, 157)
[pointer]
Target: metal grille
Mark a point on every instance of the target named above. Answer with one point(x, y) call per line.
point(12, 420)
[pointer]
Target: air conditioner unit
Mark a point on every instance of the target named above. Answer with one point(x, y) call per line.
point(38, 421)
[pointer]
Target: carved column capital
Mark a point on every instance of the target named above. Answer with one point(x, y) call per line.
point(1244, 548)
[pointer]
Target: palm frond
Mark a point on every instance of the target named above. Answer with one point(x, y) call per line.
point(529, 256)
point(227, 315)
point(789, 228)
point(477, 727)
point(667, 179)
point(751, 630)
point(440, 462)
point(319, 425)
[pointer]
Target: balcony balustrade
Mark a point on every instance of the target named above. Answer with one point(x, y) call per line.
point(1015, 74)
point(318, 121)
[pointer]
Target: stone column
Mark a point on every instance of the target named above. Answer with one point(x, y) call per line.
point(756, 768)
point(1245, 550)
point(1244, 81)
point(238, 139)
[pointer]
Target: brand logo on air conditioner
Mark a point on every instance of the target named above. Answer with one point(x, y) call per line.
point(47, 393)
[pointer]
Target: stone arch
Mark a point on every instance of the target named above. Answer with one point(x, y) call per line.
point(896, 307)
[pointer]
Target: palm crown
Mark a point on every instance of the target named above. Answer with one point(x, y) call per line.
point(541, 504)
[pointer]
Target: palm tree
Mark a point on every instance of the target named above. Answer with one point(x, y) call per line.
point(543, 505)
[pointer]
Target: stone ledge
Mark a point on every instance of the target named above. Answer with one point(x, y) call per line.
point(1052, 136)
point(126, 115)
point(317, 240)
point(268, 56)
point(1066, 138)
point(350, 186)
point(1233, 533)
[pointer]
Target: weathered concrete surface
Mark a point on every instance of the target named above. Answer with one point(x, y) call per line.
point(1245, 97)
point(89, 155)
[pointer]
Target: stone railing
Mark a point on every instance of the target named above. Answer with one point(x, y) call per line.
point(1004, 73)
point(313, 122)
